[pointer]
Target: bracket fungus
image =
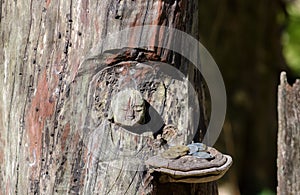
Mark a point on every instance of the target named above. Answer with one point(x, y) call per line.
point(201, 165)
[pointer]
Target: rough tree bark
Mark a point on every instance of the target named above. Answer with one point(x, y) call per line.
point(47, 146)
point(288, 161)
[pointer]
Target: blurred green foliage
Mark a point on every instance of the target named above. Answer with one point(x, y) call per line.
point(291, 37)
point(267, 192)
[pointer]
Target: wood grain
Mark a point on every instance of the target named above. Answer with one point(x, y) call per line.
point(47, 140)
point(288, 162)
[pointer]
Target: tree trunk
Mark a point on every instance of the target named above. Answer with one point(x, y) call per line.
point(288, 162)
point(52, 135)
point(232, 30)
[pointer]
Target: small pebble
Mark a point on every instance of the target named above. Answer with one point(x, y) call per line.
point(175, 152)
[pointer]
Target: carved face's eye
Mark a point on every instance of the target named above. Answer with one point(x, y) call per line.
point(139, 108)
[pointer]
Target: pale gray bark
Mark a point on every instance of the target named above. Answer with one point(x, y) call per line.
point(288, 162)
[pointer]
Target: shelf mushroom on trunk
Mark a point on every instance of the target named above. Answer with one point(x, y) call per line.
point(189, 168)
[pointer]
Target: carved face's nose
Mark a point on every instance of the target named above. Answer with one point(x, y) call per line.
point(130, 113)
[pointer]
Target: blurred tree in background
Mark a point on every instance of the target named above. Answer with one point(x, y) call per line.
point(291, 37)
point(245, 39)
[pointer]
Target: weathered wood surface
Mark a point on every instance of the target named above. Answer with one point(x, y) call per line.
point(48, 142)
point(288, 162)
point(115, 155)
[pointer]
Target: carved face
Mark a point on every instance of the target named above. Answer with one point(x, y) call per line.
point(128, 107)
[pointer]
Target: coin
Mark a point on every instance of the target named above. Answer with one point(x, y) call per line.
point(201, 146)
point(193, 148)
point(204, 155)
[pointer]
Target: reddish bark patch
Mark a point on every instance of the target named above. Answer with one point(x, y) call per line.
point(97, 27)
point(7, 187)
point(40, 109)
point(64, 136)
point(48, 3)
point(84, 13)
point(160, 12)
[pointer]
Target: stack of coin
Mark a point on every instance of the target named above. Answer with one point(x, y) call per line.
point(199, 150)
